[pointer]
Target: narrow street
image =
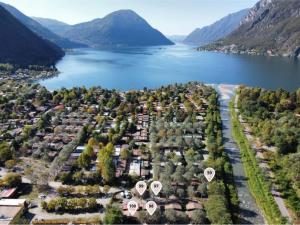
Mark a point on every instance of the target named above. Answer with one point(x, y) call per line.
point(250, 213)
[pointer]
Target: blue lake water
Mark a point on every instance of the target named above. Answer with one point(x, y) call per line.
point(136, 68)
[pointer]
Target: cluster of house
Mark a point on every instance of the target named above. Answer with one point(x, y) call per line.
point(14, 127)
point(189, 207)
point(139, 163)
point(26, 75)
point(63, 132)
point(72, 159)
point(142, 127)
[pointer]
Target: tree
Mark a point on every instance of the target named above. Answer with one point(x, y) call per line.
point(216, 188)
point(202, 190)
point(125, 154)
point(178, 175)
point(44, 122)
point(180, 193)
point(171, 216)
point(5, 152)
point(83, 160)
point(168, 190)
point(85, 157)
point(9, 164)
point(191, 191)
point(217, 211)
point(156, 218)
point(198, 217)
point(106, 189)
point(106, 165)
point(83, 135)
point(12, 180)
point(113, 215)
point(27, 131)
point(78, 176)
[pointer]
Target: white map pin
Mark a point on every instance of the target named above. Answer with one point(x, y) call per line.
point(151, 207)
point(209, 173)
point(132, 207)
point(141, 187)
point(156, 187)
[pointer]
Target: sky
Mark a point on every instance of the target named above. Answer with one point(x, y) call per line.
point(171, 17)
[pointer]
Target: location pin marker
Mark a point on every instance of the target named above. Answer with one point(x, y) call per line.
point(132, 207)
point(156, 187)
point(209, 173)
point(141, 187)
point(151, 207)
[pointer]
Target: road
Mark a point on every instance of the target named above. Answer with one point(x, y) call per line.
point(249, 211)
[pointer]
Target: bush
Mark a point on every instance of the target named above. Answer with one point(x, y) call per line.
point(71, 205)
point(12, 180)
point(113, 215)
point(79, 190)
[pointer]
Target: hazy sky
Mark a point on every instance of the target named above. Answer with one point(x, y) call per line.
point(169, 16)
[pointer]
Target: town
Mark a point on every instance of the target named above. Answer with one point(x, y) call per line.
point(74, 156)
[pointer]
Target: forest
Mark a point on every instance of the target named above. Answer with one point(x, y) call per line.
point(274, 117)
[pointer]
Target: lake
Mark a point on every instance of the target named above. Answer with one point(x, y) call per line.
point(136, 68)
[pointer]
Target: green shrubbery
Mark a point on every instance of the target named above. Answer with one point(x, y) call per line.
point(79, 190)
point(71, 205)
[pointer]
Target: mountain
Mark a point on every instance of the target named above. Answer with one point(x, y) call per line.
point(176, 38)
point(39, 29)
point(272, 27)
point(19, 45)
point(120, 28)
point(55, 26)
point(216, 31)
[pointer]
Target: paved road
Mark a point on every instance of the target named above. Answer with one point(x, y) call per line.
point(250, 213)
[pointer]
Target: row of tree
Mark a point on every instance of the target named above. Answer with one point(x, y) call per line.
point(71, 205)
point(222, 200)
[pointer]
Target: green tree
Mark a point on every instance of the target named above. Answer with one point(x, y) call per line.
point(198, 217)
point(156, 218)
point(12, 180)
point(9, 164)
point(106, 165)
point(217, 211)
point(5, 152)
point(171, 216)
point(113, 215)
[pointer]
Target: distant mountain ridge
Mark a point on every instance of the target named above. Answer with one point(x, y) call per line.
point(120, 28)
point(20, 46)
point(53, 25)
point(176, 38)
point(39, 29)
point(217, 30)
point(272, 27)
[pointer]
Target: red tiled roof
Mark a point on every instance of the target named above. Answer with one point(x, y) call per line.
point(59, 107)
point(7, 193)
